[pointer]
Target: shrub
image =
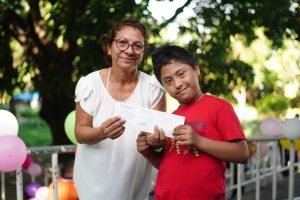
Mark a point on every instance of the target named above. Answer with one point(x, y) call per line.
point(273, 106)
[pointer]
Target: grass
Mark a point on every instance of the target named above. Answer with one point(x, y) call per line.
point(32, 129)
point(35, 132)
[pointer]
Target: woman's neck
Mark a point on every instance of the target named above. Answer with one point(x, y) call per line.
point(123, 76)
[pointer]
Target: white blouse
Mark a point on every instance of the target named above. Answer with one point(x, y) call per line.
point(113, 169)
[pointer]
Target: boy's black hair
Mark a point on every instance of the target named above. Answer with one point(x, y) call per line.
point(167, 54)
point(66, 161)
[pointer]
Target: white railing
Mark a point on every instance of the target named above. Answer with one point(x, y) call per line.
point(257, 172)
point(54, 151)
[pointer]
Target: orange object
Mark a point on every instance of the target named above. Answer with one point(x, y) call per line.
point(66, 190)
point(251, 148)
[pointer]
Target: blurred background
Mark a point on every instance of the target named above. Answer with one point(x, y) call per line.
point(248, 52)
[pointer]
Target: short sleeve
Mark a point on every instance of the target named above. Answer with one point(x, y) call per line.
point(156, 92)
point(85, 95)
point(229, 123)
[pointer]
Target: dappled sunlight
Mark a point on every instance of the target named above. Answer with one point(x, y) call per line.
point(172, 104)
point(246, 112)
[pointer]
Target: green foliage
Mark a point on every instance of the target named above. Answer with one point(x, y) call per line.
point(24, 110)
point(32, 129)
point(250, 127)
point(56, 42)
point(35, 132)
point(272, 105)
point(216, 22)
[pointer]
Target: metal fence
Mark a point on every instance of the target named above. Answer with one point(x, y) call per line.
point(257, 169)
point(260, 169)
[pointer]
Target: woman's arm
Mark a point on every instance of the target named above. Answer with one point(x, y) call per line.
point(85, 133)
point(161, 106)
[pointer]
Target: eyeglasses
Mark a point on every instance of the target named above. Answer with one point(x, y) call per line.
point(123, 45)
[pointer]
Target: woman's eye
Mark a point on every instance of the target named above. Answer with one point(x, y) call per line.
point(123, 42)
point(138, 46)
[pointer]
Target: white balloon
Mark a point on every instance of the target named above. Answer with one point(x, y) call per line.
point(291, 128)
point(42, 193)
point(8, 123)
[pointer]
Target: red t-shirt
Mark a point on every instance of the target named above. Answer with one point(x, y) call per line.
point(186, 173)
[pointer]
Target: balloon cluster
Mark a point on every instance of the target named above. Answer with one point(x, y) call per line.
point(33, 169)
point(271, 127)
point(13, 150)
point(37, 191)
point(290, 128)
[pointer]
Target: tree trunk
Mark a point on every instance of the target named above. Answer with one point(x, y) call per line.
point(54, 111)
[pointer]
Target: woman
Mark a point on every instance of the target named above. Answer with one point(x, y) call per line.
point(107, 164)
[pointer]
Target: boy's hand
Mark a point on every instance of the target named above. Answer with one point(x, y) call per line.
point(157, 139)
point(185, 135)
point(142, 145)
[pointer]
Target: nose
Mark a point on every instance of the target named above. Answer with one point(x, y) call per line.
point(129, 49)
point(177, 83)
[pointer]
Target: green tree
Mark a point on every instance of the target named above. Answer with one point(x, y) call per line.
point(54, 43)
point(214, 24)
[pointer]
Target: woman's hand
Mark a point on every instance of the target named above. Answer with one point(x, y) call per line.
point(112, 128)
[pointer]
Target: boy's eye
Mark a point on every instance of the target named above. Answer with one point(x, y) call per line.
point(167, 82)
point(181, 74)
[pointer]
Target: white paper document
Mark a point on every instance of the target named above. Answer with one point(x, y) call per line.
point(143, 119)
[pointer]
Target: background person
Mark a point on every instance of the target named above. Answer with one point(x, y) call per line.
point(107, 164)
point(66, 188)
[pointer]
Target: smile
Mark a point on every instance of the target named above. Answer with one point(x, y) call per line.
point(128, 58)
point(181, 91)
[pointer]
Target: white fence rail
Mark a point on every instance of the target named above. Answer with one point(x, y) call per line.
point(257, 171)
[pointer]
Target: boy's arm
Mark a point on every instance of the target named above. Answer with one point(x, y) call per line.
point(148, 152)
point(233, 151)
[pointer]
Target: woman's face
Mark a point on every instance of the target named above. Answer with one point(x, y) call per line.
point(127, 49)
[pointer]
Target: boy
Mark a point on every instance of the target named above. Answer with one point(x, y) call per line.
point(66, 187)
point(192, 164)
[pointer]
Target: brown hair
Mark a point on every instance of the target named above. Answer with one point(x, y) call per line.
point(107, 39)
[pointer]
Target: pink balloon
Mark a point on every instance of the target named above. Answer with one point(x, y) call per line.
point(271, 127)
point(27, 162)
point(34, 169)
point(13, 153)
point(263, 149)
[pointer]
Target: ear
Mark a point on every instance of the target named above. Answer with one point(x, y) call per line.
point(197, 69)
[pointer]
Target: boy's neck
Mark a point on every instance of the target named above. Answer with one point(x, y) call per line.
point(200, 96)
point(197, 98)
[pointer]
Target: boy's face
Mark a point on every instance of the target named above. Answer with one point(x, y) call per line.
point(181, 82)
